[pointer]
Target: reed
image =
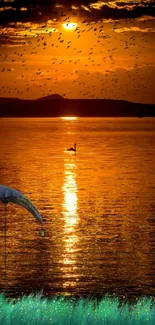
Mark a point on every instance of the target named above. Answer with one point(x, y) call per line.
point(37, 310)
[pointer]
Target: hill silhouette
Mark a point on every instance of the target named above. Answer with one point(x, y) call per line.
point(50, 97)
point(55, 105)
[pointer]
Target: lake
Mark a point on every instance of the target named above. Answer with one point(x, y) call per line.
point(98, 206)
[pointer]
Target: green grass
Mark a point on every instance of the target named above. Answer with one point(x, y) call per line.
point(35, 310)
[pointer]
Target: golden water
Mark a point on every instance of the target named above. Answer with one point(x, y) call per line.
point(98, 205)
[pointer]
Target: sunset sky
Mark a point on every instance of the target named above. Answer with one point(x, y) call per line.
point(78, 49)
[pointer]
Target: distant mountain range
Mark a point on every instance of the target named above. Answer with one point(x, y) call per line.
point(55, 105)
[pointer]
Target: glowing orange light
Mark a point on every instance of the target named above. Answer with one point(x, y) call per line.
point(69, 26)
point(69, 118)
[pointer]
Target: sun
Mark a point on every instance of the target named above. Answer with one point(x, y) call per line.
point(69, 26)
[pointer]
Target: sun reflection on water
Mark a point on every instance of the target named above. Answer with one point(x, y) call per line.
point(69, 118)
point(71, 219)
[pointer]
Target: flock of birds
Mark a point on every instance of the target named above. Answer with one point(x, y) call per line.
point(87, 66)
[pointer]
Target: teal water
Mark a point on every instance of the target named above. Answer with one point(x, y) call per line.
point(98, 206)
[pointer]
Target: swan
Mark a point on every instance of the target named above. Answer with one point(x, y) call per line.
point(72, 149)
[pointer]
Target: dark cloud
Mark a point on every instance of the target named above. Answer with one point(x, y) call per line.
point(12, 43)
point(39, 11)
